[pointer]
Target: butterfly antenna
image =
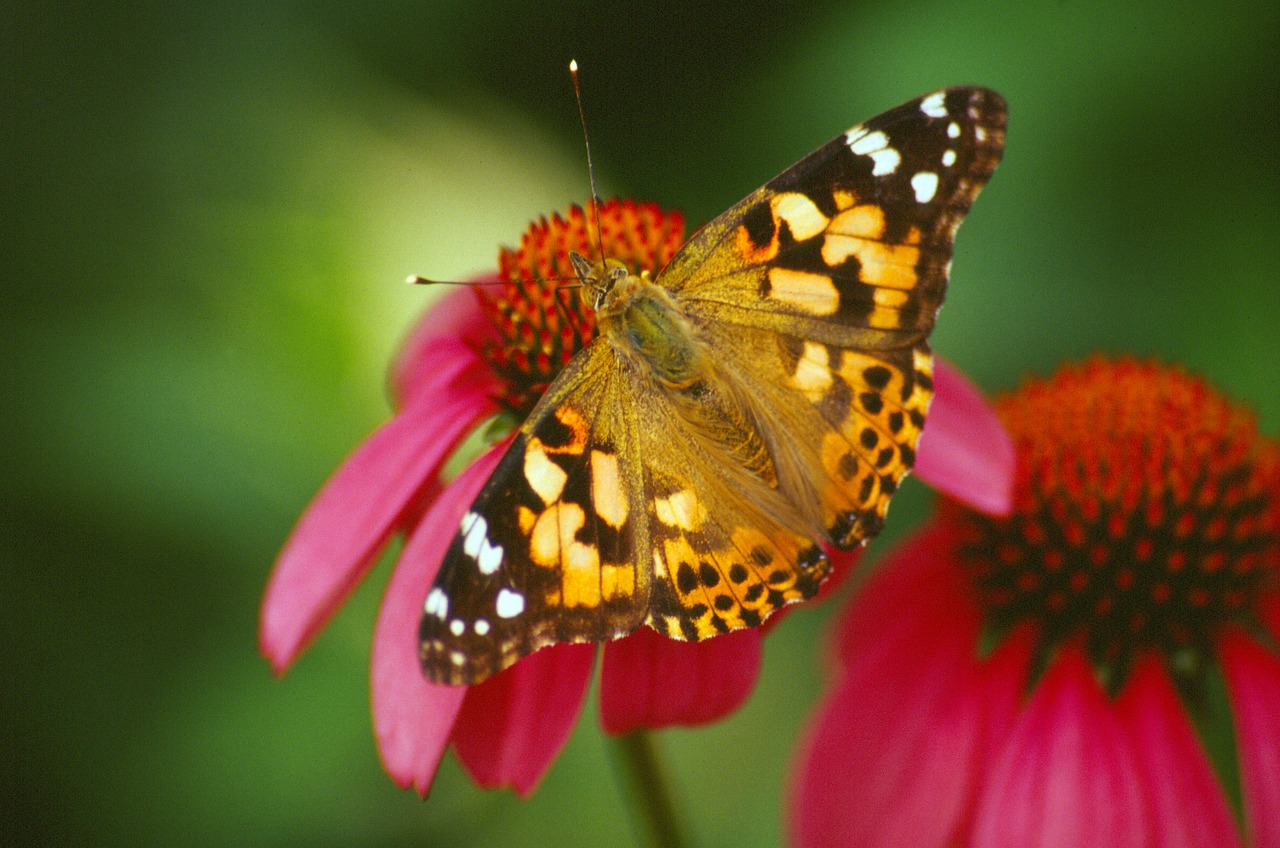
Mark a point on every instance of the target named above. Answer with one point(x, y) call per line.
point(415, 280)
point(591, 171)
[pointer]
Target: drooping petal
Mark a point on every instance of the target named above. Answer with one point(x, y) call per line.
point(353, 516)
point(1186, 805)
point(890, 757)
point(1068, 775)
point(964, 450)
point(1253, 679)
point(412, 718)
point(442, 350)
point(513, 725)
point(650, 681)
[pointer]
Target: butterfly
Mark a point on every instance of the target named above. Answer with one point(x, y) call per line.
point(761, 397)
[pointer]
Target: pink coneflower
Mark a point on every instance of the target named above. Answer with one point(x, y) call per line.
point(494, 349)
point(1040, 679)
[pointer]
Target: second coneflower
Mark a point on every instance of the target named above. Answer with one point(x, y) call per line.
point(1040, 679)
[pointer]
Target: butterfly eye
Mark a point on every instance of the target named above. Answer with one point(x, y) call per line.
point(601, 292)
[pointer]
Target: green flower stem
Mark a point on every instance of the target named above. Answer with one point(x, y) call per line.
point(648, 791)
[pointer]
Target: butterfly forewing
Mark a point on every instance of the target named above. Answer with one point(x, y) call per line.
point(547, 552)
point(853, 243)
point(699, 508)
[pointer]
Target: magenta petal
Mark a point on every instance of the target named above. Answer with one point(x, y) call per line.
point(917, 580)
point(351, 518)
point(412, 718)
point(514, 725)
point(964, 450)
point(1186, 805)
point(1253, 679)
point(1001, 684)
point(650, 681)
point(1068, 775)
point(441, 350)
point(890, 757)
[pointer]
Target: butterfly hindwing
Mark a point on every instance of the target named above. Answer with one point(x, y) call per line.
point(723, 562)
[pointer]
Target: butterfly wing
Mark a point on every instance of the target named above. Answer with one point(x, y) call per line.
point(853, 243)
point(827, 280)
point(547, 551)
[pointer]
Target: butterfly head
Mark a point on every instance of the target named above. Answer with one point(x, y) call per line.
point(600, 279)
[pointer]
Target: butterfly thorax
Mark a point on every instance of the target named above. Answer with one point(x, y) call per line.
point(642, 321)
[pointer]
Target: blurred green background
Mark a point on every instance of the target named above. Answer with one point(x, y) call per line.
point(210, 212)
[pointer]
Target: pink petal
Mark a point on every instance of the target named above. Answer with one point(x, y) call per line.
point(896, 752)
point(650, 681)
point(441, 350)
point(1001, 683)
point(964, 450)
point(514, 724)
point(1253, 679)
point(1068, 775)
point(1186, 804)
point(413, 718)
point(353, 515)
point(890, 757)
point(916, 580)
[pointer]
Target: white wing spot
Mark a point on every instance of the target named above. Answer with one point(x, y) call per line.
point(925, 184)
point(948, 158)
point(437, 603)
point(456, 627)
point(953, 130)
point(476, 544)
point(934, 105)
point(481, 626)
point(875, 145)
point(457, 657)
point(980, 133)
point(509, 604)
point(490, 557)
point(474, 529)
point(886, 162)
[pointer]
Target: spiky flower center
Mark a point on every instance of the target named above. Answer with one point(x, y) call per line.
point(1147, 516)
point(542, 323)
